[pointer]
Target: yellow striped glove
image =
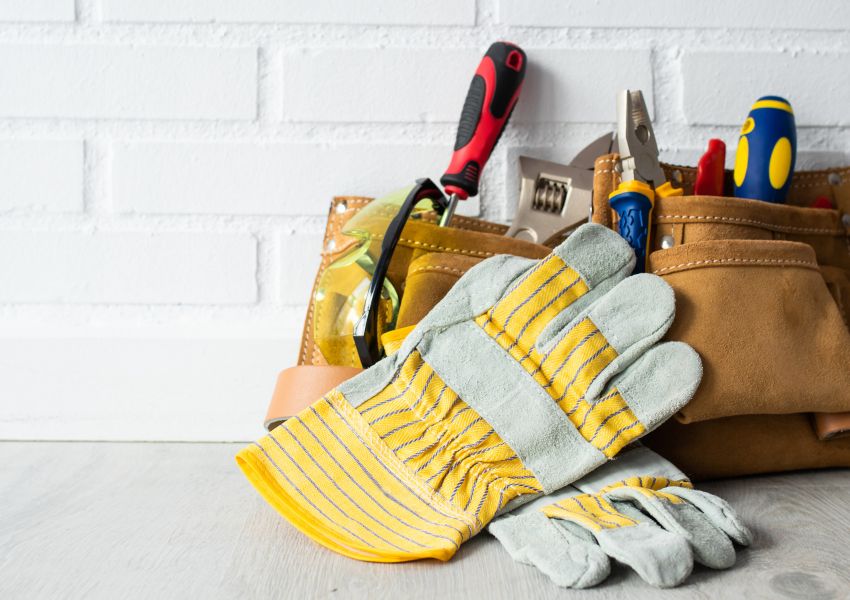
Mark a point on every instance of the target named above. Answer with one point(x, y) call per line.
point(638, 509)
point(525, 377)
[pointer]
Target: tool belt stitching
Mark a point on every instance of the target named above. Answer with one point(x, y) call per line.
point(818, 174)
point(479, 224)
point(430, 246)
point(445, 249)
point(813, 184)
point(741, 261)
point(786, 228)
point(435, 268)
point(602, 171)
point(353, 201)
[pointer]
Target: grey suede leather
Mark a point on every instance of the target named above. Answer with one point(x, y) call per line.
point(517, 408)
point(600, 259)
point(661, 548)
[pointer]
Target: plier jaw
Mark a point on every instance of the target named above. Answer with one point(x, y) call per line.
point(636, 140)
point(642, 178)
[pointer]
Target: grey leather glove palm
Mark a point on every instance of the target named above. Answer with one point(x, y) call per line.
point(638, 509)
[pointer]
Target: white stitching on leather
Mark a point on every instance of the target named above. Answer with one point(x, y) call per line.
point(741, 261)
point(436, 247)
point(790, 228)
point(435, 268)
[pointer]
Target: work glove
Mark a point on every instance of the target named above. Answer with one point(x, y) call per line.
point(525, 377)
point(638, 509)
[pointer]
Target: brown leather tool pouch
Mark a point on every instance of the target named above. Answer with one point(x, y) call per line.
point(762, 292)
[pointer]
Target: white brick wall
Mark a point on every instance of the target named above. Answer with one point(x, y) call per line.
point(165, 165)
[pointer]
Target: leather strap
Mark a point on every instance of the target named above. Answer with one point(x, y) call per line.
point(298, 387)
point(829, 426)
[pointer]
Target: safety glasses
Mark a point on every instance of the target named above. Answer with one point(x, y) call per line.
point(355, 302)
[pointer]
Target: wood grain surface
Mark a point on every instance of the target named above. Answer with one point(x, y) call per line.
point(156, 520)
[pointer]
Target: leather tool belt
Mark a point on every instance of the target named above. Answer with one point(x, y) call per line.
point(763, 294)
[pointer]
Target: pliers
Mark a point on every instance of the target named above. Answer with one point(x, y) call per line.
point(642, 176)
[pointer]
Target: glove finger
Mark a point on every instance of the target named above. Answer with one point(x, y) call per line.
point(651, 390)
point(711, 547)
point(474, 293)
point(514, 534)
point(567, 555)
point(585, 266)
point(716, 510)
point(659, 557)
point(605, 339)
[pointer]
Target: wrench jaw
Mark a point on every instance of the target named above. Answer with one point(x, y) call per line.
point(554, 200)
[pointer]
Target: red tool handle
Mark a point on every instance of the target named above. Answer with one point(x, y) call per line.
point(710, 171)
point(491, 97)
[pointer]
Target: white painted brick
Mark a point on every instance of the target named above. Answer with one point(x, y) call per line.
point(37, 10)
point(127, 82)
point(127, 268)
point(41, 175)
point(377, 84)
point(300, 255)
point(560, 85)
point(132, 388)
point(669, 14)
point(253, 178)
point(581, 85)
point(374, 12)
point(720, 87)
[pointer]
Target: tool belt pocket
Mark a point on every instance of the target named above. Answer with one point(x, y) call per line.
point(761, 316)
point(762, 292)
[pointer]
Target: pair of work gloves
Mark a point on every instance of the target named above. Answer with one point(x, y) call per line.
point(522, 385)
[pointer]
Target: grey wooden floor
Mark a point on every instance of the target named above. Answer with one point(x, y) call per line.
point(153, 520)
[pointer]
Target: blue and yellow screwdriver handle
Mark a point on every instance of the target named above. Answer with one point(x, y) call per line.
point(767, 150)
point(633, 201)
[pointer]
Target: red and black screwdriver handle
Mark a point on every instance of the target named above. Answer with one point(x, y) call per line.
point(491, 98)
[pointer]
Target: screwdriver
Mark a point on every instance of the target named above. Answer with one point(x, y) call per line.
point(710, 171)
point(767, 148)
point(491, 98)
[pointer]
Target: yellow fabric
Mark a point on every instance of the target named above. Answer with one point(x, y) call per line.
point(568, 369)
point(447, 444)
point(595, 513)
point(392, 340)
point(329, 474)
point(592, 511)
point(651, 486)
point(389, 481)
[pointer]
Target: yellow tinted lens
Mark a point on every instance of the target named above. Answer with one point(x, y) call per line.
point(339, 301)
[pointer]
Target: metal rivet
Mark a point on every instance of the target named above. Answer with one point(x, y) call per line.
point(667, 242)
point(331, 245)
point(834, 179)
point(845, 219)
point(677, 176)
point(341, 208)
